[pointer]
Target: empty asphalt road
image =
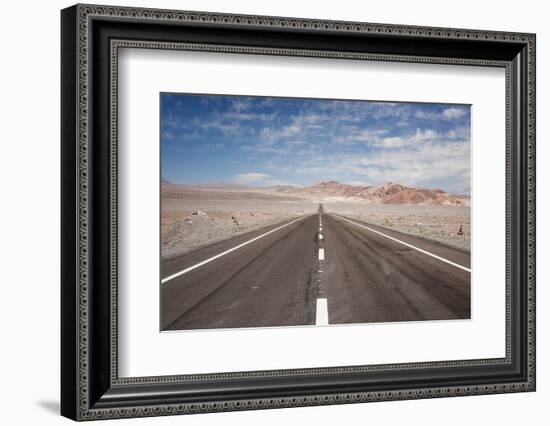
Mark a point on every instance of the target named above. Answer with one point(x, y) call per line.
point(316, 270)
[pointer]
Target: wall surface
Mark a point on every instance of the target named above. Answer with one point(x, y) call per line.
point(29, 225)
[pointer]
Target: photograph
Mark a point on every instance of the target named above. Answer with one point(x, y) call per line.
point(280, 212)
point(263, 209)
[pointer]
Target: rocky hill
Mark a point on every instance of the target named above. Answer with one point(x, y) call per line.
point(383, 193)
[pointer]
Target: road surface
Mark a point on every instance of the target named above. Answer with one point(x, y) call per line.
point(316, 270)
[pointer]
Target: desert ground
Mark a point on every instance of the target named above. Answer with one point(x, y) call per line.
point(449, 225)
point(193, 217)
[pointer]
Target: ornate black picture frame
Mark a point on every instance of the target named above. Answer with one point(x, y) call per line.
point(91, 387)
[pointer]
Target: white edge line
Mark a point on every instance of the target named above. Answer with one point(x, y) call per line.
point(204, 262)
point(321, 313)
point(407, 244)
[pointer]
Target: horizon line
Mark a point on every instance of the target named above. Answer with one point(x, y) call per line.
point(331, 181)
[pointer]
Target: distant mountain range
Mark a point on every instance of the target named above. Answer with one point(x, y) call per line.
point(383, 193)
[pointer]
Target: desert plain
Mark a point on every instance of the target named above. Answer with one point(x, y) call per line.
point(194, 216)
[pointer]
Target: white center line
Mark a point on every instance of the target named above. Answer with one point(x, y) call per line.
point(321, 314)
point(204, 262)
point(408, 245)
point(321, 254)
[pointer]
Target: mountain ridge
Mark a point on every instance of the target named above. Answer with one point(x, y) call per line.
point(334, 191)
point(382, 193)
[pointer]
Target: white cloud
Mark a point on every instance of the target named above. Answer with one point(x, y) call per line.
point(403, 141)
point(301, 124)
point(459, 133)
point(258, 179)
point(268, 136)
point(250, 178)
point(228, 117)
point(240, 104)
point(358, 135)
point(453, 113)
point(425, 115)
point(412, 165)
point(292, 130)
point(431, 164)
point(299, 127)
point(294, 143)
point(226, 128)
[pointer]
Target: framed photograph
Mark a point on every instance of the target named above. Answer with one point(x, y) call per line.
point(264, 212)
point(271, 207)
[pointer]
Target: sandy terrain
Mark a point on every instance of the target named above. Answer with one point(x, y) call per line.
point(439, 223)
point(192, 218)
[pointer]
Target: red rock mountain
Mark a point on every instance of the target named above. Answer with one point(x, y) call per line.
point(383, 193)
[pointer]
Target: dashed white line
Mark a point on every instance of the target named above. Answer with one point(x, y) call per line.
point(321, 314)
point(204, 262)
point(407, 244)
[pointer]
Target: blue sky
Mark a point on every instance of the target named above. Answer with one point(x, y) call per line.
point(264, 141)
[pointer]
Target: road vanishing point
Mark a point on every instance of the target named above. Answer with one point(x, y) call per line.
point(318, 269)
